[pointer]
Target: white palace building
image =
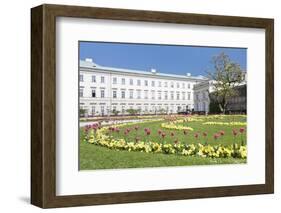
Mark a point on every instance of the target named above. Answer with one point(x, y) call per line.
point(104, 90)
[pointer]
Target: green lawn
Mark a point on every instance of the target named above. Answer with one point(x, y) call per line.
point(97, 157)
point(189, 138)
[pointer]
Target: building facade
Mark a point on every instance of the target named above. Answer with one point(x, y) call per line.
point(203, 97)
point(105, 90)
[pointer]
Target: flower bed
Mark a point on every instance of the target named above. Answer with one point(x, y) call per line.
point(225, 123)
point(98, 135)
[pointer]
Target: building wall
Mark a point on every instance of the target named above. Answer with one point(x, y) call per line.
point(169, 94)
point(201, 96)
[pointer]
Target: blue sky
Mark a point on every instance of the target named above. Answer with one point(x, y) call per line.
point(164, 58)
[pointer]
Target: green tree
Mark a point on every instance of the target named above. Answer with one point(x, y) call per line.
point(82, 112)
point(226, 76)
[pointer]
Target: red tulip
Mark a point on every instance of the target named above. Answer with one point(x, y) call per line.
point(221, 132)
point(205, 134)
point(196, 135)
point(163, 134)
point(148, 132)
point(172, 134)
point(241, 130)
point(159, 131)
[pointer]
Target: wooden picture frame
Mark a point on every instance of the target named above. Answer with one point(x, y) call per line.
point(43, 105)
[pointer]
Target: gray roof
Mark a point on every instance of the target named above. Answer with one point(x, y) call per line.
point(92, 65)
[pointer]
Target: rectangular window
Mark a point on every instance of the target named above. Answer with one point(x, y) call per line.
point(138, 94)
point(166, 95)
point(114, 80)
point(172, 95)
point(102, 79)
point(93, 110)
point(114, 94)
point(81, 92)
point(188, 85)
point(131, 94)
point(146, 82)
point(166, 84)
point(139, 82)
point(153, 94)
point(183, 96)
point(159, 84)
point(172, 84)
point(123, 94)
point(93, 93)
point(183, 85)
point(152, 83)
point(146, 108)
point(159, 95)
point(93, 78)
point(102, 93)
point(81, 78)
point(123, 81)
point(178, 85)
point(188, 96)
point(178, 96)
point(102, 110)
point(131, 81)
point(146, 94)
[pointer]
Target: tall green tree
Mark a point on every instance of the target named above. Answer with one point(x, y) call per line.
point(226, 76)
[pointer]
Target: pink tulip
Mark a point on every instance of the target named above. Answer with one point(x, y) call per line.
point(241, 130)
point(163, 134)
point(136, 128)
point(216, 136)
point(159, 131)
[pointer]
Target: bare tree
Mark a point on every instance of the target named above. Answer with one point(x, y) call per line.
point(227, 75)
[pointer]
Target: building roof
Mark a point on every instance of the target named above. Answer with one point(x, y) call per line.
point(88, 63)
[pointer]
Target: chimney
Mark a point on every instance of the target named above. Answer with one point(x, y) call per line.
point(89, 60)
point(153, 71)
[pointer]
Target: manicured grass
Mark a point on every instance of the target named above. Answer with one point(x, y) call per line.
point(97, 157)
point(189, 138)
